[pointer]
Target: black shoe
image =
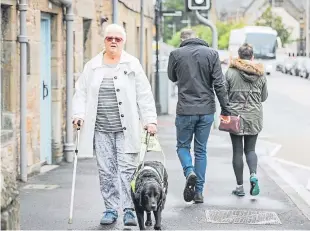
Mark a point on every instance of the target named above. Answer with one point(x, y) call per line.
point(239, 191)
point(198, 198)
point(189, 191)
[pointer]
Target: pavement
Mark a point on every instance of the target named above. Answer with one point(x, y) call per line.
point(45, 199)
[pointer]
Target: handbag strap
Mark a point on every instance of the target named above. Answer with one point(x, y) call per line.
point(247, 98)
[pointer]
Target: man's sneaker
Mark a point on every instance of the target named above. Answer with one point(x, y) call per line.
point(109, 217)
point(189, 191)
point(198, 198)
point(239, 191)
point(129, 218)
point(254, 185)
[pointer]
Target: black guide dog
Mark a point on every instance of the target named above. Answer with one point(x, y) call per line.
point(149, 192)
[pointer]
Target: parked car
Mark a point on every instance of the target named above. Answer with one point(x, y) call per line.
point(280, 63)
point(297, 65)
point(305, 68)
point(287, 65)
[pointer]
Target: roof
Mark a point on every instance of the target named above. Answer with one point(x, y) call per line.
point(231, 5)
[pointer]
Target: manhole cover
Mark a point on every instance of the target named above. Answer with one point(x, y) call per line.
point(41, 186)
point(242, 217)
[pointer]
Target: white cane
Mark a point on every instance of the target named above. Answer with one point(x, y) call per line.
point(74, 172)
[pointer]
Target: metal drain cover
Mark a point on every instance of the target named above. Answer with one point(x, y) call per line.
point(41, 186)
point(249, 217)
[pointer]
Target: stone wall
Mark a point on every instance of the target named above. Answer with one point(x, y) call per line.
point(9, 191)
point(9, 160)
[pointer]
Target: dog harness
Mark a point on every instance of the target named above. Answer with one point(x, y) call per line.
point(136, 174)
point(144, 149)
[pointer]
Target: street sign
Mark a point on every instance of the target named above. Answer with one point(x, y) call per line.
point(172, 13)
point(198, 4)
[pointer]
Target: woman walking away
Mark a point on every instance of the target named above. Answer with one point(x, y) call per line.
point(109, 95)
point(247, 88)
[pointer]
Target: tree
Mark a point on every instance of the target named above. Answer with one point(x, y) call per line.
point(177, 5)
point(269, 19)
point(224, 32)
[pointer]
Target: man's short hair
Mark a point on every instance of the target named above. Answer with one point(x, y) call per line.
point(245, 51)
point(187, 34)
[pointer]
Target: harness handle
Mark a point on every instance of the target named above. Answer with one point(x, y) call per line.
point(144, 149)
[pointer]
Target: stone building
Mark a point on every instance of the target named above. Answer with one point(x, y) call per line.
point(46, 77)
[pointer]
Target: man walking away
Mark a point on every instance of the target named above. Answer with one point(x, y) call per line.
point(197, 69)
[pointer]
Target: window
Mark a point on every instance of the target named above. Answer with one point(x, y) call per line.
point(5, 60)
point(138, 41)
point(6, 73)
point(124, 25)
point(146, 56)
point(86, 40)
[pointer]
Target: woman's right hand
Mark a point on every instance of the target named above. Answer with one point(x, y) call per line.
point(77, 123)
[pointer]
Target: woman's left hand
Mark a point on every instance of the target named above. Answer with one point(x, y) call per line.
point(151, 128)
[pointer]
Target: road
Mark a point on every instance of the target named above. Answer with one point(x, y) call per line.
point(287, 123)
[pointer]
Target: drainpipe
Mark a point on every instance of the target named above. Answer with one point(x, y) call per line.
point(142, 32)
point(69, 146)
point(23, 40)
point(115, 11)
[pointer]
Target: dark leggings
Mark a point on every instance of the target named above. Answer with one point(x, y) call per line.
point(249, 150)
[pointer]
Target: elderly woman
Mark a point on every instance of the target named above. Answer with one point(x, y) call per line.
point(112, 95)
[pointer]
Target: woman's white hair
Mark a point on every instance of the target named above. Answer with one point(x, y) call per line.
point(116, 29)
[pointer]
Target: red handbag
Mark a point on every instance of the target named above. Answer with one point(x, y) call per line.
point(232, 125)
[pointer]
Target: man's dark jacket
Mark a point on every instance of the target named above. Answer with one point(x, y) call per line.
point(197, 69)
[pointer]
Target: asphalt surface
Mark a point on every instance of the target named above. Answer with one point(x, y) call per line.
point(286, 114)
point(48, 209)
point(287, 128)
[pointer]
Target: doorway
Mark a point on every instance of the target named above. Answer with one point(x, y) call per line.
point(45, 91)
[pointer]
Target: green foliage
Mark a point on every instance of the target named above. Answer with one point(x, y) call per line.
point(224, 32)
point(203, 32)
point(175, 4)
point(268, 19)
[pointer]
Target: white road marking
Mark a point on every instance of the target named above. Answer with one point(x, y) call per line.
point(275, 150)
point(292, 163)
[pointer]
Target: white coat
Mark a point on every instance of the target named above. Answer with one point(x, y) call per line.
point(134, 97)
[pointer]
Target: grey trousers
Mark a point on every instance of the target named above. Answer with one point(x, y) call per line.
point(113, 164)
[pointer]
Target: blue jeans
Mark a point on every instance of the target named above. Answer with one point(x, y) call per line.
point(187, 127)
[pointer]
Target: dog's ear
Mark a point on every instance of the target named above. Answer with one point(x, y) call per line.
point(162, 198)
point(161, 194)
point(141, 195)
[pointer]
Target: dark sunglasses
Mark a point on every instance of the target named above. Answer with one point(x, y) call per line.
point(117, 39)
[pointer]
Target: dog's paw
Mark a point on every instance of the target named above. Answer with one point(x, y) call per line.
point(148, 223)
point(157, 227)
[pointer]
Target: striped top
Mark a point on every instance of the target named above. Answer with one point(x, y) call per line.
point(108, 117)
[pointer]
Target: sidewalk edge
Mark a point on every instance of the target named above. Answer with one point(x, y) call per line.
point(296, 192)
